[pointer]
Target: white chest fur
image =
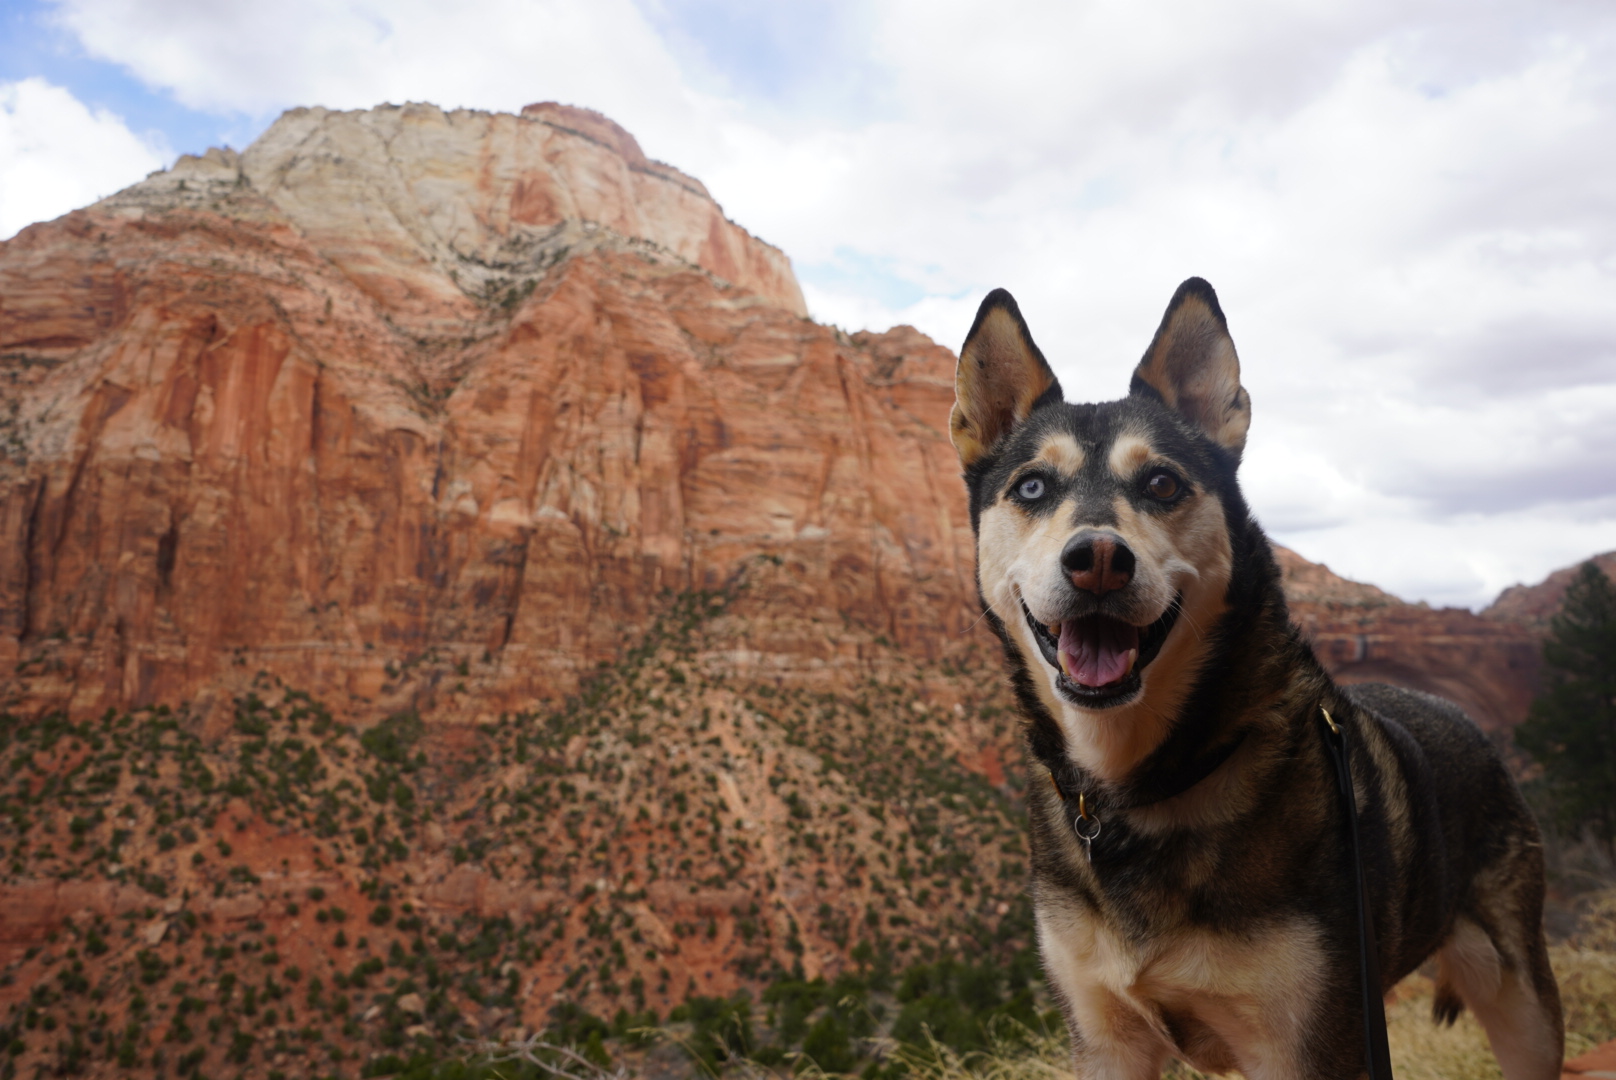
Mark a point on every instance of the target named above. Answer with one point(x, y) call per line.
point(1217, 1000)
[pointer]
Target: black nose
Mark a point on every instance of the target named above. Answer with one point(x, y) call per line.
point(1098, 562)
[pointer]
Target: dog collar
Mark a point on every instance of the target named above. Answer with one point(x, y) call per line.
point(1155, 789)
point(1086, 824)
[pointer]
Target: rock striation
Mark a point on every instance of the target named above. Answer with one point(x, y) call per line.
point(408, 380)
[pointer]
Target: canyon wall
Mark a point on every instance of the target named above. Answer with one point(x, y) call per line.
point(408, 380)
point(1489, 665)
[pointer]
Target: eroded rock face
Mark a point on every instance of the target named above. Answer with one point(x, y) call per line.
point(434, 214)
point(255, 422)
point(1490, 666)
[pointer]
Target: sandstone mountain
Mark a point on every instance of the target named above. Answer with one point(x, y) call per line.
point(364, 392)
point(447, 586)
point(1488, 665)
point(1488, 662)
point(452, 521)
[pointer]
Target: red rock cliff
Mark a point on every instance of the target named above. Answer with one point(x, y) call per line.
point(1535, 605)
point(1488, 665)
point(408, 379)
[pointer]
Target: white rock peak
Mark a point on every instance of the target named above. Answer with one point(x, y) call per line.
point(437, 211)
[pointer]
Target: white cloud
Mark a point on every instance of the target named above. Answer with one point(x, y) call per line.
point(56, 154)
point(1413, 242)
point(243, 56)
point(1405, 207)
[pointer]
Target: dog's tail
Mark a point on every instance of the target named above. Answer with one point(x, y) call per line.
point(1447, 1004)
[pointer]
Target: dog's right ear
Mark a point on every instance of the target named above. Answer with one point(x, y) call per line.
point(1000, 379)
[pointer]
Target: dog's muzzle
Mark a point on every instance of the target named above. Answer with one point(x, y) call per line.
point(1101, 659)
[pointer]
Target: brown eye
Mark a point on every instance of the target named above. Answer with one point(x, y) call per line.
point(1162, 486)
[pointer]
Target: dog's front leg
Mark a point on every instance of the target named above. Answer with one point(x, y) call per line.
point(1088, 970)
point(1111, 1038)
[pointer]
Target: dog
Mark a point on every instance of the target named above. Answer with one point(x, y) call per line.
point(1194, 889)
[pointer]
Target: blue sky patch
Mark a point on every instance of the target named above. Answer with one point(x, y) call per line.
point(31, 46)
point(787, 57)
point(853, 273)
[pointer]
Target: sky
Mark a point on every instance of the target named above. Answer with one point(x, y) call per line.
point(1408, 209)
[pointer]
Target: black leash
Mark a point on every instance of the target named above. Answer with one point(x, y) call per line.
point(1376, 1052)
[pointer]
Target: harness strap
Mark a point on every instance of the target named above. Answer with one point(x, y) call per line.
point(1377, 1054)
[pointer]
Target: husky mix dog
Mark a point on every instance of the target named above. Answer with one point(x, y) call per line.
point(1194, 890)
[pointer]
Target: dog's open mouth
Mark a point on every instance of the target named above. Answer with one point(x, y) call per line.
point(1100, 658)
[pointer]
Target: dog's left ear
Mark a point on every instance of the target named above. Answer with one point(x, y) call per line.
point(1193, 368)
point(1000, 379)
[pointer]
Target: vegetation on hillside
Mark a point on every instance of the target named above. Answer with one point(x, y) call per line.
point(777, 871)
point(690, 867)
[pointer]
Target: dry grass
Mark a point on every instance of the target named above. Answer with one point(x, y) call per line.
point(1421, 1050)
point(1586, 967)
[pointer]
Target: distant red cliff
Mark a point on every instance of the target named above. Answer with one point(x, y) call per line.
point(1488, 662)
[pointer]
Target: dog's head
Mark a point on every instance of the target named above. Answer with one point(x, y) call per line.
point(1104, 531)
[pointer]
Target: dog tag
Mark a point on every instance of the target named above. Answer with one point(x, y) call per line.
point(1087, 827)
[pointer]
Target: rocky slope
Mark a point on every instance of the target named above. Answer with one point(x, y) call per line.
point(288, 893)
point(447, 586)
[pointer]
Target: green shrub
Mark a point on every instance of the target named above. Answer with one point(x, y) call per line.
point(390, 740)
point(722, 1028)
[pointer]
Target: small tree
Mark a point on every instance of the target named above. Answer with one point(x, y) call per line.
point(1572, 726)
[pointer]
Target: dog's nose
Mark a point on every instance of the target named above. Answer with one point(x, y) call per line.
point(1098, 562)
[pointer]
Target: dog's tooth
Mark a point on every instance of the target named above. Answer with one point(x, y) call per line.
point(1054, 628)
point(1133, 658)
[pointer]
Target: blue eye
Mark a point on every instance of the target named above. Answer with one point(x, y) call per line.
point(1031, 488)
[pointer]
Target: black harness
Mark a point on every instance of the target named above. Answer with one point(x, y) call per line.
point(1376, 1052)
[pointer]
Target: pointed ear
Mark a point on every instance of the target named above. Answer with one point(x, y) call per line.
point(1001, 377)
point(1193, 368)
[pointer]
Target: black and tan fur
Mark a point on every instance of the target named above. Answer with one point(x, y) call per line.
point(1215, 922)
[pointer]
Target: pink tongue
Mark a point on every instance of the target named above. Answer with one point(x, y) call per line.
point(1095, 650)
